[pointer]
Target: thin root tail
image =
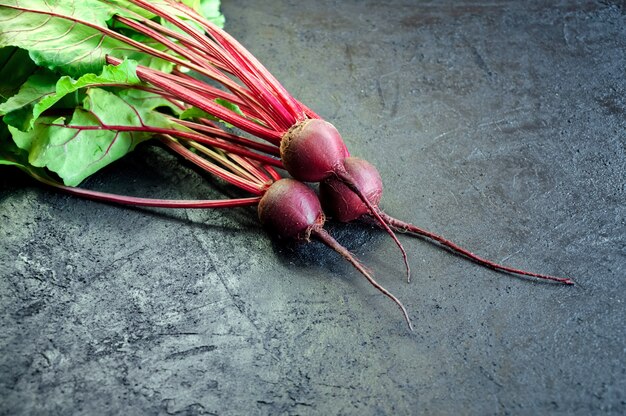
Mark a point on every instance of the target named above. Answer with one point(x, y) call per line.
point(323, 236)
point(376, 213)
point(402, 226)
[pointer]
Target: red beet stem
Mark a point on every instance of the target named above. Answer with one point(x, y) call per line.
point(249, 107)
point(239, 96)
point(218, 132)
point(246, 59)
point(148, 202)
point(234, 179)
point(191, 97)
point(275, 175)
point(324, 237)
point(192, 56)
point(406, 227)
point(267, 98)
point(188, 47)
point(347, 178)
point(187, 135)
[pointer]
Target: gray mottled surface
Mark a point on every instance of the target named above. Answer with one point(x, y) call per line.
point(499, 124)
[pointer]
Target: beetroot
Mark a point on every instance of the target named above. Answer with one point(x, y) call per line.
point(343, 204)
point(312, 150)
point(290, 209)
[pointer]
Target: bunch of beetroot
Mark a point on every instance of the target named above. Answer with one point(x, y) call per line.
point(296, 139)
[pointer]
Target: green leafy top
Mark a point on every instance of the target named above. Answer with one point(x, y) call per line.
point(60, 43)
point(96, 127)
point(73, 36)
point(78, 143)
point(210, 9)
point(42, 90)
point(15, 68)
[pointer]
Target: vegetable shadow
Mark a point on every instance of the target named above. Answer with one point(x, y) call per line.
point(360, 239)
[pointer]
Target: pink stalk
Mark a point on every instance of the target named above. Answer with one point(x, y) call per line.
point(231, 178)
point(211, 92)
point(202, 61)
point(272, 172)
point(184, 135)
point(195, 99)
point(217, 132)
point(250, 167)
point(187, 53)
point(226, 161)
point(282, 115)
point(188, 81)
point(241, 97)
point(148, 202)
point(244, 57)
point(189, 43)
point(250, 75)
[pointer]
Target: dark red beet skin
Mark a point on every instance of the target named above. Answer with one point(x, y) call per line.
point(311, 150)
point(290, 209)
point(343, 204)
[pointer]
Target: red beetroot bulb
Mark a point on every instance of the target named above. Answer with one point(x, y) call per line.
point(291, 210)
point(343, 204)
point(312, 150)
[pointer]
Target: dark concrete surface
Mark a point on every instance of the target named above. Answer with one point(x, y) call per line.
point(500, 124)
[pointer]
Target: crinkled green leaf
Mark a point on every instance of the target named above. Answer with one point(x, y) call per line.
point(124, 73)
point(54, 42)
point(128, 6)
point(18, 110)
point(70, 149)
point(195, 112)
point(232, 107)
point(147, 100)
point(57, 37)
point(15, 68)
point(149, 60)
point(210, 9)
point(42, 91)
point(12, 155)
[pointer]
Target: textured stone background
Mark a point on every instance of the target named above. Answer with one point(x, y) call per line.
point(501, 125)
